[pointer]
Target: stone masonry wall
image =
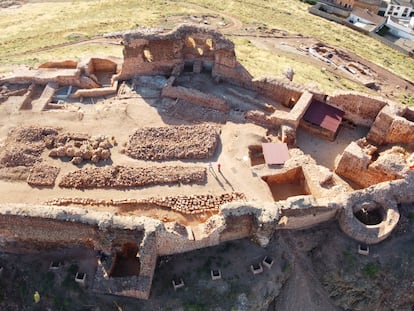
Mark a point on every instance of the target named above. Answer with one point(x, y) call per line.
point(359, 108)
point(390, 127)
point(48, 232)
point(153, 52)
point(400, 131)
point(195, 97)
point(284, 93)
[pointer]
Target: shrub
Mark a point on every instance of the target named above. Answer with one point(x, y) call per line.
point(371, 270)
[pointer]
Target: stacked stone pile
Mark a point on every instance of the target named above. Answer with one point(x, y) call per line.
point(168, 143)
point(82, 148)
point(42, 175)
point(24, 146)
point(125, 177)
point(192, 204)
point(196, 204)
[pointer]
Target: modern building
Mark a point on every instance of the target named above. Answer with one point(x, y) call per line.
point(401, 9)
point(401, 28)
point(341, 8)
point(365, 19)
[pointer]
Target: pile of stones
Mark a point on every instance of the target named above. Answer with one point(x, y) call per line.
point(24, 146)
point(43, 175)
point(192, 204)
point(126, 177)
point(94, 149)
point(174, 142)
point(196, 204)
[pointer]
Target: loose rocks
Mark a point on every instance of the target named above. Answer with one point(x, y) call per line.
point(175, 142)
point(43, 175)
point(125, 177)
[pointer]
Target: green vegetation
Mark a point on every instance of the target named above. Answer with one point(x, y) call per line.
point(69, 281)
point(407, 99)
point(411, 216)
point(195, 306)
point(371, 270)
point(311, 2)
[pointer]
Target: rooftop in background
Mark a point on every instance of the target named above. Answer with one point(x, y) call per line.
point(368, 16)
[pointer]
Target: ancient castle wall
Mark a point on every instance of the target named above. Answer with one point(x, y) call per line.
point(169, 243)
point(284, 93)
point(361, 109)
point(46, 232)
point(157, 53)
point(194, 96)
point(392, 126)
point(400, 131)
point(357, 165)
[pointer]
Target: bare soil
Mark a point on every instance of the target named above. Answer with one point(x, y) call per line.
point(314, 269)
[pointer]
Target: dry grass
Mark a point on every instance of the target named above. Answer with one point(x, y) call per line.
point(264, 63)
point(38, 24)
point(293, 16)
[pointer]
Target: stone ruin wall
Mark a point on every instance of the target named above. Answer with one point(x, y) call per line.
point(157, 53)
point(169, 243)
point(193, 96)
point(361, 109)
point(97, 64)
point(45, 232)
point(400, 131)
point(317, 130)
point(357, 163)
point(295, 219)
point(285, 93)
point(392, 126)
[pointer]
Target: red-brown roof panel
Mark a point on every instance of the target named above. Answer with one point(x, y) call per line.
point(275, 153)
point(324, 115)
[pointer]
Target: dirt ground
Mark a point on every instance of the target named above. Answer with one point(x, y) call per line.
point(242, 290)
point(314, 269)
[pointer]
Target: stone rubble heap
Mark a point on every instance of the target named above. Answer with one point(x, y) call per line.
point(82, 148)
point(125, 177)
point(192, 204)
point(195, 204)
point(43, 175)
point(175, 142)
point(24, 146)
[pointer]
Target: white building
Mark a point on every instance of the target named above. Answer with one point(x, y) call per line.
point(365, 19)
point(401, 9)
point(401, 29)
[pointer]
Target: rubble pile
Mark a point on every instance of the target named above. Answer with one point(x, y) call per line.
point(43, 175)
point(195, 204)
point(81, 148)
point(125, 177)
point(175, 142)
point(192, 204)
point(24, 146)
